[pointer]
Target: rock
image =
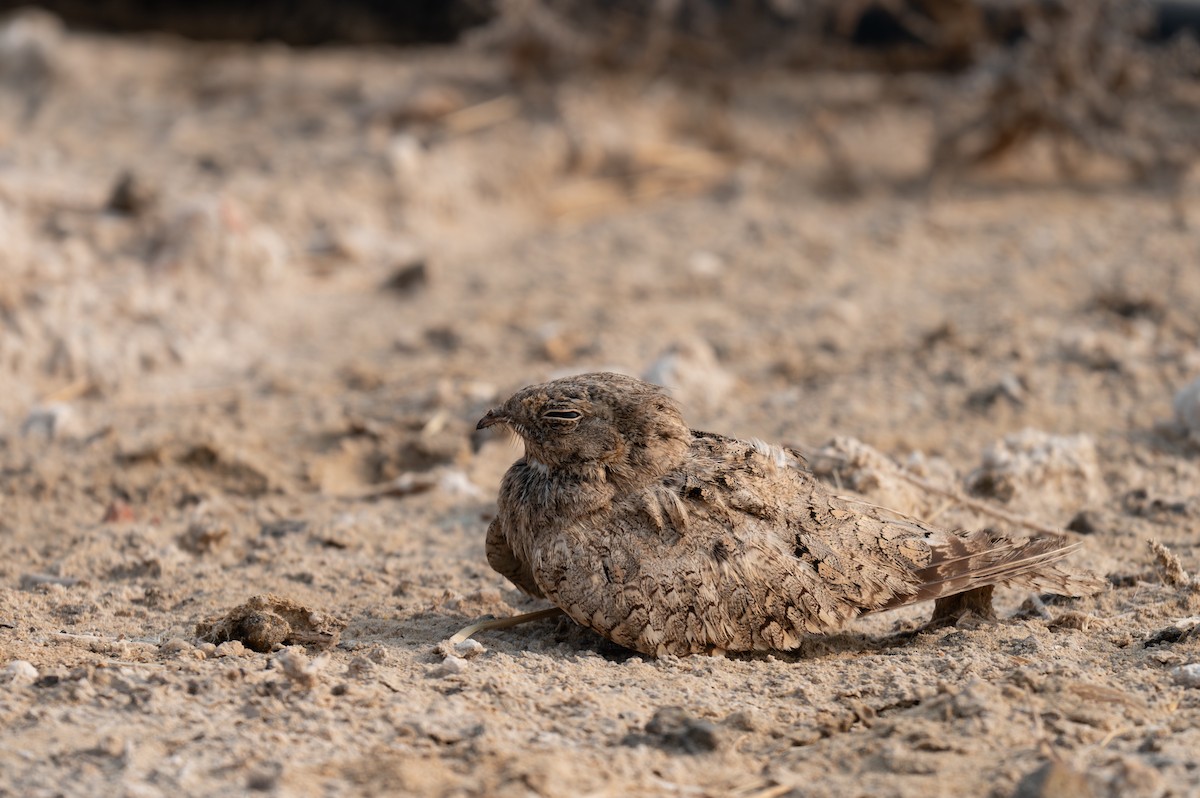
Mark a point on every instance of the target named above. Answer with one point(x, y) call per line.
point(1010, 388)
point(447, 727)
point(118, 512)
point(266, 621)
point(1187, 409)
point(1054, 780)
point(130, 195)
point(362, 377)
point(673, 729)
point(211, 235)
point(562, 344)
point(176, 646)
point(361, 668)
point(1086, 522)
point(451, 666)
point(1141, 503)
point(34, 581)
point(204, 536)
point(231, 648)
point(845, 461)
point(233, 468)
point(1049, 475)
point(408, 278)
point(49, 422)
point(705, 265)
point(30, 47)
point(406, 157)
point(19, 673)
point(466, 649)
point(443, 337)
point(976, 699)
point(691, 373)
point(265, 777)
point(1187, 675)
point(455, 482)
point(261, 631)
point(299, 669)
point(746, 720)
point(282, 527)
point(1098, 350)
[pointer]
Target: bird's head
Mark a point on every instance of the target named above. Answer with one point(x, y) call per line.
point(629, 428)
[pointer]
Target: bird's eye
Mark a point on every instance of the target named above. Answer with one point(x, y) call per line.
point(563, 415)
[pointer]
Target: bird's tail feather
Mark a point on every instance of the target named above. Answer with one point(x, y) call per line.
point(985, 558)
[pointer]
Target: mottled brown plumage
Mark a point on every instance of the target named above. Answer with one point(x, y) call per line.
point(668, 540)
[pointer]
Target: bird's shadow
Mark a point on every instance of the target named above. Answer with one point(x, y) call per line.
point(425, 631)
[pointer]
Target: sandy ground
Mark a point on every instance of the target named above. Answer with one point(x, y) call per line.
point(259, 371)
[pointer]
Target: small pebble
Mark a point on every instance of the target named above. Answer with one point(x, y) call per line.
point(31, 45)
point(303, 672)
point(360, 667)
point(1053, 780)
point(32, 581)
point(231, 648)
point(20, 672)
point(451, 666)
point(706, 265)
point(1187, 408)
point(455, 482)
point(49, 422)
point(1085, 522)
point(118, 512)
point(468, 648)
point(1050, 476)
point(692, 373)
point(204, 536)
point(176, 645)
point(744, 720)
point(408, 278)
point(672, 728)
point(130, 195)
point(1187, 675)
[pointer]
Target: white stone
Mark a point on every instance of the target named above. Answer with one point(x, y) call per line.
point(1187, 408)
point(20, 672)
point(1187, 675)
point(451, 666)
point(50, 421)
point(691, 373)
point(468, 648)
point(176, 645)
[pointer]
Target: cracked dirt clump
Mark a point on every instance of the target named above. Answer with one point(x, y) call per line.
point(267, 621)
point(1053, 476)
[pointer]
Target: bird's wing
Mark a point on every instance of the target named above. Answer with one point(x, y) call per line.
point(874, 557)
point(505, 562)
point(742, 549)
point(675, 589)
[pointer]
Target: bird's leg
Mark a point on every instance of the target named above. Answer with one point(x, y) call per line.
point(502, 623)
point(948, 610)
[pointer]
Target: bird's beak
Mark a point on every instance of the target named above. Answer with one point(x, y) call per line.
point(492, 418)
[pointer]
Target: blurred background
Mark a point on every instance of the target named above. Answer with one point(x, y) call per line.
point(898, 213)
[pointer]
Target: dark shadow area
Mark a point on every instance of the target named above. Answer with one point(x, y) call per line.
point(917, 33)
point(296, 22)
